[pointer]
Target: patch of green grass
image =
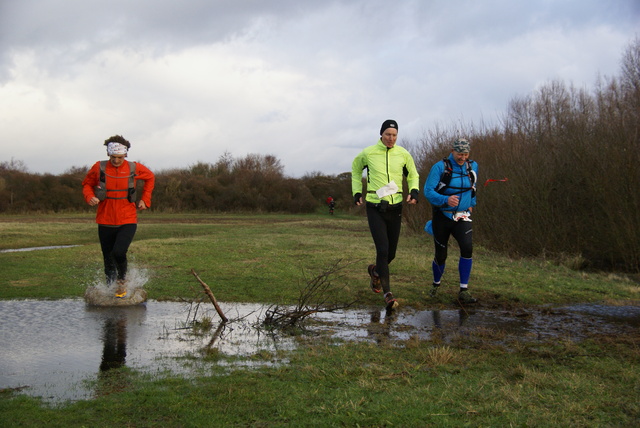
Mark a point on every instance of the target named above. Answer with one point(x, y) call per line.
point(482, 378)
point(268, 259)
point(410, 384)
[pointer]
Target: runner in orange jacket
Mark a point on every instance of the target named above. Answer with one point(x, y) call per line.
point(117, 216)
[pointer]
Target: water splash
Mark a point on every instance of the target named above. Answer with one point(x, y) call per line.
point(102, 294)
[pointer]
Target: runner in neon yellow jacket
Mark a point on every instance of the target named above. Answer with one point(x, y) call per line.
point(386, 166)
point(383, 165)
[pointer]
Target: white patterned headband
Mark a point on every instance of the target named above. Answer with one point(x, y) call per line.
point(116, 149)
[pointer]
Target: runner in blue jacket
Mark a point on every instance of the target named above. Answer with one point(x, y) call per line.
point(450, 188)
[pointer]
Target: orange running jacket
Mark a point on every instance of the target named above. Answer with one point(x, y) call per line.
point(116, 212)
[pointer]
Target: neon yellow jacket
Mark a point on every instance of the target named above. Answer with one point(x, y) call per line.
point(383, 165)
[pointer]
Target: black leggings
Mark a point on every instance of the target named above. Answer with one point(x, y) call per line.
point(443, 228)
point(115, 242)
point(385, 230)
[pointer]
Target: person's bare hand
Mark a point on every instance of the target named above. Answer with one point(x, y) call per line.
point(142, 205)
point(94, 201)
point(453, 201)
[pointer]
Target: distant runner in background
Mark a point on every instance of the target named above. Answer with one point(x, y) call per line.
point(331, 203)
point(451, 190)
point(111, 185)
point(386, 166)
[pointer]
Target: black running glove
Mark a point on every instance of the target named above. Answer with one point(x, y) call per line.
point(356, 198)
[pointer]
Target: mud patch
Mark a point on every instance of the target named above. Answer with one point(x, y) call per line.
point(614, 314)
point(26, 283)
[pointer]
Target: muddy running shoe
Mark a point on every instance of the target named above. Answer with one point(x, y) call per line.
point(375, 279)
point(121, 289)
point(434, 290)
point(390, 302)
point(465, 297)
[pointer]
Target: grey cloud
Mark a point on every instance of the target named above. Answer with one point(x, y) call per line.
point(31, 23)
point(319, 76)
point(63, 32)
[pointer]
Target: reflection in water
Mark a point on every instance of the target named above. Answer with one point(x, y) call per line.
point(216, 335)
point(114, 351)
point(379, 329)
point(437, 315)
point(401, 325)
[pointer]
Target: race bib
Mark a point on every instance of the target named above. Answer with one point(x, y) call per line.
point(462, 215)
point(388, 189)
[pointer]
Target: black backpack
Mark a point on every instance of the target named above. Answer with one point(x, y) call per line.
point(445, 179)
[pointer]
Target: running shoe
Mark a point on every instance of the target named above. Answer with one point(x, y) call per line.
point(121, 289)
point(390, 302)
point(376, 286)
point(466, 297)
point(434, 290)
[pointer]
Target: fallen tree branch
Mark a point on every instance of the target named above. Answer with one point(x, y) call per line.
point(316, 297)
point(207, 290)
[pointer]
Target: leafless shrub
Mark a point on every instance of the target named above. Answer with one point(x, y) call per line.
point(319, 295)
point(570, 156)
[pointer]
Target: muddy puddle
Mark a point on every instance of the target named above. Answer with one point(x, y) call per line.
point(58, 350)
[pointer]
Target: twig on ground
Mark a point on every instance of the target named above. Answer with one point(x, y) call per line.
point(207, 290)
point(316, 297)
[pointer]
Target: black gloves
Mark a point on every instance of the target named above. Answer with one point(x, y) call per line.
point(414, 194)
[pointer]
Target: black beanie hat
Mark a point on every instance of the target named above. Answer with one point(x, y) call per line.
point(389, 123)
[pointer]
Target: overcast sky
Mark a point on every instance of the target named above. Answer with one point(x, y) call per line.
point(307, 81)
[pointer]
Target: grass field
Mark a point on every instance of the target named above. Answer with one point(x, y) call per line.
point(473, 380)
